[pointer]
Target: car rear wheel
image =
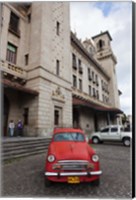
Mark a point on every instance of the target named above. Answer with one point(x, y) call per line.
point(95, 140)
point(126, 142)
point(47, 182)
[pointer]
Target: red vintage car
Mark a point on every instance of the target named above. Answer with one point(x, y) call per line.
point(70, 158)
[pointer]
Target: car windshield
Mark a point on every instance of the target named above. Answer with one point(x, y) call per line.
point(77, 137)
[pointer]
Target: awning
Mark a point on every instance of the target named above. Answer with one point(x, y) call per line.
point(16, 86)
point(80, 101)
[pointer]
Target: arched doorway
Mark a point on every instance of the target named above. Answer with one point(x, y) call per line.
point(6, 106)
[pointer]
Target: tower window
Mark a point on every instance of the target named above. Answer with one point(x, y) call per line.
point(11, 53)
point(29, 18)
point(14, 23)
point(26, 59)
point(58, 28)
point(57, 67)
point(100, 44)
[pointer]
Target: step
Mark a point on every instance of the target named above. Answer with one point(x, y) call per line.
point(20, 151)
point(21, 141)
point(22, 147)
point(27, 146)
point(22, 155)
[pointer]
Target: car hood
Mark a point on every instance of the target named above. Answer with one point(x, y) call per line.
point(71, 150)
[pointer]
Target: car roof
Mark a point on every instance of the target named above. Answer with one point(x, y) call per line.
point(70, 130)
point(111, 126)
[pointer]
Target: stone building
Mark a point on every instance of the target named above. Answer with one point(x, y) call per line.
point(49, 77)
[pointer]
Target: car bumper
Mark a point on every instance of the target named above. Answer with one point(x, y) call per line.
point(93, 173)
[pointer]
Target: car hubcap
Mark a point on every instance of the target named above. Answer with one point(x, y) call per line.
point(127, 142)
point(95, 140)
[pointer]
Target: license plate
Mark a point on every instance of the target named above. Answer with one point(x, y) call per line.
point(73, 179)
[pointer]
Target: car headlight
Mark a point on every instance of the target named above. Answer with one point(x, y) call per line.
point(95, 158)
point(51, 158)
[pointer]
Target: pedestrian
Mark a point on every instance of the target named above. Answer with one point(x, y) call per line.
point(11, 128)
point(20, 128)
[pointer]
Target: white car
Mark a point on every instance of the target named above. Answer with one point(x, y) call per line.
point(112, 133)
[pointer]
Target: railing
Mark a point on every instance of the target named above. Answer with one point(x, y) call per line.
point(7, 67)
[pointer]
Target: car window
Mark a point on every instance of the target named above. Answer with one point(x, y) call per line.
point(69, 137)
point(114, 129)
point(105, 130)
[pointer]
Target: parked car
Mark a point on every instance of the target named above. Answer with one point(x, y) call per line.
point(71, 159)
point(112, 133)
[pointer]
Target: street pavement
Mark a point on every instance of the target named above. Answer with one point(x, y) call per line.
point(25, 177)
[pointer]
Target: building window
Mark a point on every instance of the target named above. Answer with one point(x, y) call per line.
point(57, 67)
point(26, 114)
point(29, 18)
point(94, 93)
point(90, 91)
point(97, 94)
point(58, 28)
point(11, 53)
point(74, 81)
point(26, 59)
point(96, 79)
point(103, 98)
point(56, 117)
point(102, 83)
point(93, 77)
point(100, 44)
point(80, 84)
point(80, 66)
point(89, 74)
point(14, 24)
point(74, 64)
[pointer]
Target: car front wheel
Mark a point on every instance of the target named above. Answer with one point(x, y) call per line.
point(95, 140)
point(126, 142)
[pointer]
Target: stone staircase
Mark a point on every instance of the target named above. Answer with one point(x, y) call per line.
point(12, 148)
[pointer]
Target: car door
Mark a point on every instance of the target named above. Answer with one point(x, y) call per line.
point(114, 133)
point(104, 133)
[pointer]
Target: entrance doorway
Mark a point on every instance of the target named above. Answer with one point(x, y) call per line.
point(6, 106)
point(57, 116)
point(76, 122)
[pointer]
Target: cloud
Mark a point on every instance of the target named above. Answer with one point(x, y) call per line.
point(90, 18)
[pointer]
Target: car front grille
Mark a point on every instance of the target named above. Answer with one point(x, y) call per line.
point(73, 164)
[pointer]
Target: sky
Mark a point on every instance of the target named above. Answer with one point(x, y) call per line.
point(90, 18)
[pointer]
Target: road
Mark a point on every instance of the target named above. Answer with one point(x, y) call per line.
point(24, 177)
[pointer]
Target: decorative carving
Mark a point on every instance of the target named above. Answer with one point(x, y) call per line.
point(57, 94)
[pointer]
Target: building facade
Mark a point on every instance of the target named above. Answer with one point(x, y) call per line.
point(49, 77)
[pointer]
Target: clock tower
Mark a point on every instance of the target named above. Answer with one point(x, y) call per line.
point(108, 61)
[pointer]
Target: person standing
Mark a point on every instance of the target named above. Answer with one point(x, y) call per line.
point(11, 128)
point(20, 128)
